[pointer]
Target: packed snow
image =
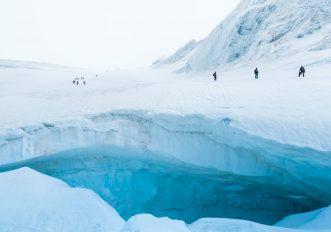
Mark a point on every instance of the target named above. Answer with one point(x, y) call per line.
point(279, 107)
point(30, 201)
point(148, 223)
point(271, 121)
point(319, 219)
point(229, 225)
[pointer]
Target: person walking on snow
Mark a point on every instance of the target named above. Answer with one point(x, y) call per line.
point(215, 76)
point(302, 71)
point(256, 72)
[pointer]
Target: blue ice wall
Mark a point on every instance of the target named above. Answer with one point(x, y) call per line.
point(208, 167)
point(136, 181)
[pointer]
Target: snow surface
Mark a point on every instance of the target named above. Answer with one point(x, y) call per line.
point(272, 132)
point(149, 223)
point(228, 225)
point(319, 219)
point(280, 123)
point(31, 201)
point(284, 105)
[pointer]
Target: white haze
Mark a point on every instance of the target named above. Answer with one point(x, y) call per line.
point(104, 34)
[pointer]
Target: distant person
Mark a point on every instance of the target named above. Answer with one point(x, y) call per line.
point(74, 82)
point(77, 82)
point(256, 72)
point(215, 76)
point(302, 71)
point(84, 82)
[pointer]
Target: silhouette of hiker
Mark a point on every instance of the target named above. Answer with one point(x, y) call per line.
point(256, 72)
point(215, 76)
point(302, 71)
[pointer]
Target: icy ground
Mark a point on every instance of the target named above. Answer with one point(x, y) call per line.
point(280, 106)
point(269, 134)
point(180, 146)
point(32, 202)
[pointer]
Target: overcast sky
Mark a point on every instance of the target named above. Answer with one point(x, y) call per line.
point(104, 34)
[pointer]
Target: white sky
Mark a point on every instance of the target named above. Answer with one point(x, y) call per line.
point(104, 34)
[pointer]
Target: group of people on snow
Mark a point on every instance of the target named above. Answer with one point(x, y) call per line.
point(76, 81)
point(302, 72)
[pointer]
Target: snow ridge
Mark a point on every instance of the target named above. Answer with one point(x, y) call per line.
point(263, 30)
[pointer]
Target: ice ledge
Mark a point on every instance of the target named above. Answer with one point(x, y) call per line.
point(195, 139)
point(214, 144)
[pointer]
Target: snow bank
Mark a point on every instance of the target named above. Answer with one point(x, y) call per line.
point(319, 219)
point(149, 223)
point(228, 225)
point(30, 201)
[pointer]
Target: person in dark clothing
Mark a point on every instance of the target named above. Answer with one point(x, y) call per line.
point(74, 82)
point(302, 71)
point(256, 72)
point(84, 82)
point(215, 76)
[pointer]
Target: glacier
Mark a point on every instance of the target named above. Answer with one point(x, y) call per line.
point(183, 167)
point(266, 143)
point(183, 146)
point(31, 201)
point(258, 32)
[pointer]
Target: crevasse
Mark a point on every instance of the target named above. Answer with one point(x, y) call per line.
point(184, 167)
